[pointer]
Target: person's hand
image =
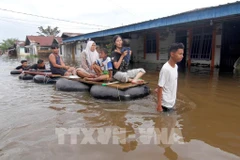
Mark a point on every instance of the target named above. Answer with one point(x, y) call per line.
point(130, 52)
point(159, 108)
point(117, 51)
point(91, 67)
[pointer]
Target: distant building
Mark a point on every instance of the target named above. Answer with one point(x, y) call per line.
point(20, 47)
point(41, 44)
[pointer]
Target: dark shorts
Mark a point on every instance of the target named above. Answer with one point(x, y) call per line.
point(165, 109)
point(59, 71)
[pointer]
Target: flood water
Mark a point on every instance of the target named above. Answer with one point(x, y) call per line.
point(207, 115)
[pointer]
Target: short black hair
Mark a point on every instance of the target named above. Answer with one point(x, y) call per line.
point(39, 61)
point(104, 50)
point(175, 46)
point(126, 42)
point(22, 61)
point(54, 46)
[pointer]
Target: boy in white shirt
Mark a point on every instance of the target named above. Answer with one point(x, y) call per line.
point(167, 84)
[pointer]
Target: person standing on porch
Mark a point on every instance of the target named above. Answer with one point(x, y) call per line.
point(168, 78)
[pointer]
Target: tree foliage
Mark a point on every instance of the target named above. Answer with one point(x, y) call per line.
point(7, 43)
point(48, 31)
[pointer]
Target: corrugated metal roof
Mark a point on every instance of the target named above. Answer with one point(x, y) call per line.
point(190, 16)
point(68, 34)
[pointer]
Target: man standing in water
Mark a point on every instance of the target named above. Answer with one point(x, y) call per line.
point(167, 83)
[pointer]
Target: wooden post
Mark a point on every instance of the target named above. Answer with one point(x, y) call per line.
point(157, 44)
point(190, 36)
point(213, 47)
point(73, 52)
point(144, 46)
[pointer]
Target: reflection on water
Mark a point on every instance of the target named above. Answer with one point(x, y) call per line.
point(207, 113)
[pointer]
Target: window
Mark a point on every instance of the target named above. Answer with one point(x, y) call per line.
point(151, 43)
point(202, 44)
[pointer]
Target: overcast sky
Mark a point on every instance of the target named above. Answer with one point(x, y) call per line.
point(98, 14)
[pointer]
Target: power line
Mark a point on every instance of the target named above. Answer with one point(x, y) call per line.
point(33, 25)
point(57, 19)
point(7, 19)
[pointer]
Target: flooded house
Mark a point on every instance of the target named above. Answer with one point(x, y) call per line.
point(41, 45)
point(210, 36)
point(72, 48)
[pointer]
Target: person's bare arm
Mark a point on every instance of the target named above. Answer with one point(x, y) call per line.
point(118, 63)
point(159, 97)
point(53, 61)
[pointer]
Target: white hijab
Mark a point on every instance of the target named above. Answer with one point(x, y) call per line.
point(91, 57)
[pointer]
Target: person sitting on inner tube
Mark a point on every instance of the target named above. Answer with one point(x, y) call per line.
point(120, 67)
point(103, 67)
point(24, 66)
point(57, 65)
point(40, 65)
point(88, 57)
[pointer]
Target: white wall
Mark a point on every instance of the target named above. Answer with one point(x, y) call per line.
point(67, 48)
point(218, 45)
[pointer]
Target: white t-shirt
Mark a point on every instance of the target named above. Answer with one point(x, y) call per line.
point(105, 64)
point(168, 81)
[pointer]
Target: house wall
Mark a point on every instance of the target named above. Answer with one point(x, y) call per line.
point(67, 48)
point(137, 46)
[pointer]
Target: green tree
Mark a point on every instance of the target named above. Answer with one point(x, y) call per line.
point(48, 31)
point(5, 44)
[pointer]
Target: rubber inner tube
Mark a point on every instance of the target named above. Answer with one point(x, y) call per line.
point(44, 79)
point(104, 92)
point(26, 77)
point(15, 72)
point(71, 85)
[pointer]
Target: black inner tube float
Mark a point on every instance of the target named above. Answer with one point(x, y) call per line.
point(44, 79)
point(15, 72)
point(103, 92)
point(26, 76)
point(71, 85)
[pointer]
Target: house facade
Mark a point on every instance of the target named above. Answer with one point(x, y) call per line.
point(40, 44)
point(72, 48)
point(211, 37)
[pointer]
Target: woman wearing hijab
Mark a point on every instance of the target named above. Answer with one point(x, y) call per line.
point(88, 57)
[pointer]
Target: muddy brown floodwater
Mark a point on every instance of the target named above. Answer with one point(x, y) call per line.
point(206, 120)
